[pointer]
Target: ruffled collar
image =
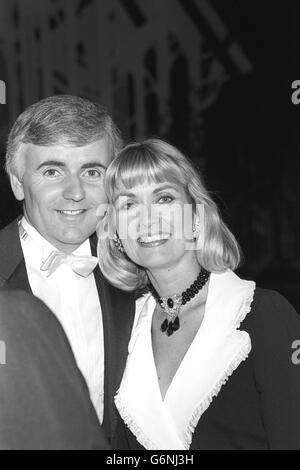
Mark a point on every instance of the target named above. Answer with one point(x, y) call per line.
point(216, 351)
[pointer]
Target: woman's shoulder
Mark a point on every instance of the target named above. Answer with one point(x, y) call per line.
point(271, 317)
point(270, 305)
point(274, 329)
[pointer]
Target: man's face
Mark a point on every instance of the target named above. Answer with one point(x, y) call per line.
point(62, 187)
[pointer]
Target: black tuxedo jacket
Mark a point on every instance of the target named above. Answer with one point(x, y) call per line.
point(117, 312)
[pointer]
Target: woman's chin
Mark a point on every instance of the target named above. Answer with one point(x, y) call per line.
point(157, 260)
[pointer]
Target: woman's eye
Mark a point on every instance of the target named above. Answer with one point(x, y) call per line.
point(51, 172)
point(128, 205)
point(165, 199)
point(125, 205)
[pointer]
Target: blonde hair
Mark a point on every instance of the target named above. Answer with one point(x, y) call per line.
point(157, 161)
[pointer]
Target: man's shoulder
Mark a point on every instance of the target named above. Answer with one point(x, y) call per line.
point(38, 360)
point(23, 304)
point(23, 313)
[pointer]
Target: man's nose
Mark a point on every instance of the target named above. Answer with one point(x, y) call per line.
point(74, 189)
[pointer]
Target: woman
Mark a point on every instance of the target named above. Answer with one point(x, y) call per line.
point(198, 325)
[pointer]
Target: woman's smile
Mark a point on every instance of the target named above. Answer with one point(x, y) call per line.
point(154, 240)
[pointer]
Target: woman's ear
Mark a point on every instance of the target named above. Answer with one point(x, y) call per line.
point(17, 187)
point(199, 226)
point(196, 229)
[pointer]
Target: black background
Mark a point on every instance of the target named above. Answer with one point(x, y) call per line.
point(246, 141)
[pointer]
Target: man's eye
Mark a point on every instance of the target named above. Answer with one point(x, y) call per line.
point(51, 172)
point(93, 173)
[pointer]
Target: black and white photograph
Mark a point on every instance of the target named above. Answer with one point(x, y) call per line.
point(149, 227)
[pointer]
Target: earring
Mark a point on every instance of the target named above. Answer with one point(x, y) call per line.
point(118, 243)
point(196, 230)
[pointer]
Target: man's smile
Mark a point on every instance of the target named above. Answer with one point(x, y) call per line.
point(72, 212)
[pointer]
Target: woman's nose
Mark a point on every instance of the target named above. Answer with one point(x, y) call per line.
point(147, 216)
point(74, 189)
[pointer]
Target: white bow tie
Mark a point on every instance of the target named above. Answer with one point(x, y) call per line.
point(82, 265)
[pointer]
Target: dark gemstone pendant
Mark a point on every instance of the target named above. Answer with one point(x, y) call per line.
point(170, 303)
point(170, 329)
point(164, 325)
point(176, 324)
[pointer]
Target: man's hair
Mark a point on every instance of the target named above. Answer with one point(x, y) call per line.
point(60, 120)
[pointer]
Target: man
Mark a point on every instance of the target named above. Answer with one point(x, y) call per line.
point(57, 153)
point(44, 399)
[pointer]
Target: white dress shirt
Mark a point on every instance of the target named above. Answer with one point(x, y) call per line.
point(75, 302)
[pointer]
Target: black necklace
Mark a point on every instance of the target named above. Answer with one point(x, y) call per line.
point(171, 305)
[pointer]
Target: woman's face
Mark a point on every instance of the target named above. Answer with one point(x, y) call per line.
point(154, 222)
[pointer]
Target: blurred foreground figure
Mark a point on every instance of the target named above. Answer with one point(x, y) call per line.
point(44, 399)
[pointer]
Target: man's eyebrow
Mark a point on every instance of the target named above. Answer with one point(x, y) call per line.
point(93, 165)
point(63, 165)
point(52, 163)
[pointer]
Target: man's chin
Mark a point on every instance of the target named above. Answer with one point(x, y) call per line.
point(67, 242)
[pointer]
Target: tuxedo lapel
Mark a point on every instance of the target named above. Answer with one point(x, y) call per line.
point(13, 274)
point(118, 310)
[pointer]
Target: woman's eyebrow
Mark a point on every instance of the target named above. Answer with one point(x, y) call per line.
point(155, 191)
point(124, 194)
point(163, 187)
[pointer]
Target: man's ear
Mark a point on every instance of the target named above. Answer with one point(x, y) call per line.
point(17, 187)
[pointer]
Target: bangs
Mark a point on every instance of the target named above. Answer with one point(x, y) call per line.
point(138, 166)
